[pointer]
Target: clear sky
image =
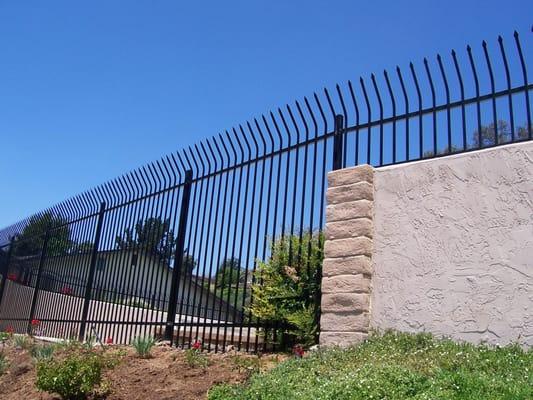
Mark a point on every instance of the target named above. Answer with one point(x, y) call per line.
point(90, 90)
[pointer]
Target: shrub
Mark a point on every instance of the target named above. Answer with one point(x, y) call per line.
point(286, 288)
point(22, 342)
point(72, 378)
point(194, 356)
point(3, 363)
point(394, 366)
point(42, 352)
point(247, 365)
point(4, 337)
point(143, 346)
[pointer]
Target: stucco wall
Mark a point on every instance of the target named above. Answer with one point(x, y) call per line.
point(453, 246)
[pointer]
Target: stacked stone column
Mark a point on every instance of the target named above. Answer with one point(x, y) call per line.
point(347, 268)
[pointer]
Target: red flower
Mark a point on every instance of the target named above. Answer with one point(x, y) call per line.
point(66, 290)
point(12, 277)
point(10, 330)
point(298, 351)
point(197, 345)
point(35, 322)
point(109, 340)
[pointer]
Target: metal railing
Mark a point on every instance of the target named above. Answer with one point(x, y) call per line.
point(228, 197)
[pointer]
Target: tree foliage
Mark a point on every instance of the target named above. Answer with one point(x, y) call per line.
point(488, 133)
point(30, 241)
point(488, 137)
point(156, 237)
point(229, 273)
point(286, 286)
point(230, 283)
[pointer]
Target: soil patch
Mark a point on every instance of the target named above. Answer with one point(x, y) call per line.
point(166, 375)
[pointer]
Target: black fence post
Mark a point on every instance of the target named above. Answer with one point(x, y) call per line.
point(38, 280)
point(92, 268)
point(178, 257)
point(5, 270)
point(338, 142)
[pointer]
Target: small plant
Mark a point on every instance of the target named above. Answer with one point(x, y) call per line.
point(90, 342)
point(22, 342)
point(72, 378)
point(143, 346)
point(194, 356)
point(6, 335)
point(35, 324)
point(3, 363)
point(40, 353)
point(247, 365)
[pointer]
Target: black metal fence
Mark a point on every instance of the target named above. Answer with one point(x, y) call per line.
point(172, 248)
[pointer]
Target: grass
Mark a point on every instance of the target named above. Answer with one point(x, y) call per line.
point(395, 366)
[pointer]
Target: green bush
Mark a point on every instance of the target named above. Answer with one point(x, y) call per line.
point(3, 363)
point(42, 352)
point(285, 289)
point(72, 378)
point(398, 367)
point(22, 342)
point(143, 345)
point(195, 358)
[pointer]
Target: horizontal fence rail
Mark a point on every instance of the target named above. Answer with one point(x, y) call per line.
point(179, 247)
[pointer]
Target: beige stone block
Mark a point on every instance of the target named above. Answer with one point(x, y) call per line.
point(342, 339)
point(348, 247)
point(347, 265)
point(355, 191)
point(348, 176)
point(344, 302)
point(349, 210)
point(344, 322)
point(346, 284)
point(349, 228)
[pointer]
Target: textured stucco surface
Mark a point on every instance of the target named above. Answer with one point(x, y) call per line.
point(453, 246)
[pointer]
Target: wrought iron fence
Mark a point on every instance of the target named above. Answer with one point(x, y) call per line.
point(173, 247)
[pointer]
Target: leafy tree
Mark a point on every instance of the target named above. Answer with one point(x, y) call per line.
point(30, 241)
point(488, 137)
point(488, 134)
point(189, 264)
point(286, 287)
point(3, 259)
point(230, 284)
point(229, 273)
point(83, 247)
point(153, 235)
point(156, 237)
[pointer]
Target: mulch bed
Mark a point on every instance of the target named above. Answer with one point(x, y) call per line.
point(164, 376)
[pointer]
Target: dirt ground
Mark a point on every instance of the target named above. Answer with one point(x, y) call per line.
point(166, 375)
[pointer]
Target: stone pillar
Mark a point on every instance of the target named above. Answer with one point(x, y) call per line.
point(347, 268)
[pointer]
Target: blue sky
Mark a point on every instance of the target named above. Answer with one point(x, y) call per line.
point(89, 90)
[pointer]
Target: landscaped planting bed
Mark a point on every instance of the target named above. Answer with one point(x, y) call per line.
point(389, 366)
point(166, 373)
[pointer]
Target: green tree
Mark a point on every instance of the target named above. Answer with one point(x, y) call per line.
point(230, 282)
point(30, 241)
point(156, 237)
point(286, 287)
point(488, 134)
point(229, 273)
point(83, 247)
